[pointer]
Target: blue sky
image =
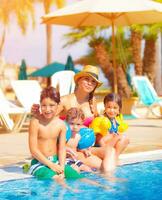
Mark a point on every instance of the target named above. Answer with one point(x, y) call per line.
point(32, 46)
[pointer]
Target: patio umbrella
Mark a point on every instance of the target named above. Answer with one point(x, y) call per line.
point(70, 65)
point(22, 75)
point(48, 70)
point(107, 13)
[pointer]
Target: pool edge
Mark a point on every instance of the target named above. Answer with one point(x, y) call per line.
point(128, 158)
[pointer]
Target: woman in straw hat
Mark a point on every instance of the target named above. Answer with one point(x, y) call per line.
point(83, 97)
point(86, 82)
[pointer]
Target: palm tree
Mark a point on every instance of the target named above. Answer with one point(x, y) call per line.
point(22, 9)
point(47, 5)
point(103, 58)
point(136, 44)
point(102, 54)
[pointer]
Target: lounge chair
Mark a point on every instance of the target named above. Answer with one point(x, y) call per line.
point(64, 80)
point(27, 92)
point(149, 103)
point(11, 115)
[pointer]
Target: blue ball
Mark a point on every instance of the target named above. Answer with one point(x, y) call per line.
point(87, 138)
point(68, 131)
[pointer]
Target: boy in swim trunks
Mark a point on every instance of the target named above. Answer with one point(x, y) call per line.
point(47, 137)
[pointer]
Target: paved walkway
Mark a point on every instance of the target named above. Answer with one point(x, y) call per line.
point(145, 135)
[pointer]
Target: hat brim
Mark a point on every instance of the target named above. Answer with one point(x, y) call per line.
point(81, 74)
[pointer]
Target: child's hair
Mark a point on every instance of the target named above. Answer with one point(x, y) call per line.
point(50, 92)
point(74, 113)
point(113, 97)
point(91, 103)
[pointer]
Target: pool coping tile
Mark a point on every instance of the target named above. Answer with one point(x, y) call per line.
point(15, 172)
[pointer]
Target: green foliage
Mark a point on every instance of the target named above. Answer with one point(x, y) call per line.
point(22, 9)
point(159, 1)
point(98, 35)
point(137, 28)
point(78, 34)
point(151, 31)
point(95, 41)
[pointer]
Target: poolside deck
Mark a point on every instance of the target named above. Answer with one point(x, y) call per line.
point(145, 144)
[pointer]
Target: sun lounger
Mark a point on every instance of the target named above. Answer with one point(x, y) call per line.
point(64, 80)
point(11, 115)
point(27, 92)
point(149, 103)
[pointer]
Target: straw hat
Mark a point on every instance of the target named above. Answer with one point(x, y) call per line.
point(91, 71)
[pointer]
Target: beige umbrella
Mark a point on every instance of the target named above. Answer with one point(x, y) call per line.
point(107, 13)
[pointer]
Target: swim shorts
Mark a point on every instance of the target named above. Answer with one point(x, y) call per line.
point(70, 161)
point(41, 171)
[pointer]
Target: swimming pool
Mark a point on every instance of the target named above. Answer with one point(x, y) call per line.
point(142, 181)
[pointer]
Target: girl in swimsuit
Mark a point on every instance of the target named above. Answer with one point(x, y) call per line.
point(109, 129)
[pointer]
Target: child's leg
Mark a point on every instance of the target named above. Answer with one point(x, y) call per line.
point(98, 151)
point(121, 145)
point(85, 168)
point(92, 161)
point(86, 180)
point(109, 161)
point(60, 180)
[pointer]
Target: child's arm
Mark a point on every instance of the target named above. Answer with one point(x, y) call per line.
point(62, 145)
point(70, 152)
point(35, 151)
point(86, 152)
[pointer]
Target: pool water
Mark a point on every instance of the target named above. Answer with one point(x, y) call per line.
point(141, 181)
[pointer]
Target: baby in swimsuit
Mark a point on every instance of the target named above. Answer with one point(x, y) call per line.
point(75, 118)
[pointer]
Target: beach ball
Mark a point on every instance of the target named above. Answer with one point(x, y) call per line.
point(87, 138)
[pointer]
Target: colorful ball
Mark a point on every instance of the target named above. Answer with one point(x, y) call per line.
point(87, 138)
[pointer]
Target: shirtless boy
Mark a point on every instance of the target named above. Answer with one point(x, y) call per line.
point(47, 138)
